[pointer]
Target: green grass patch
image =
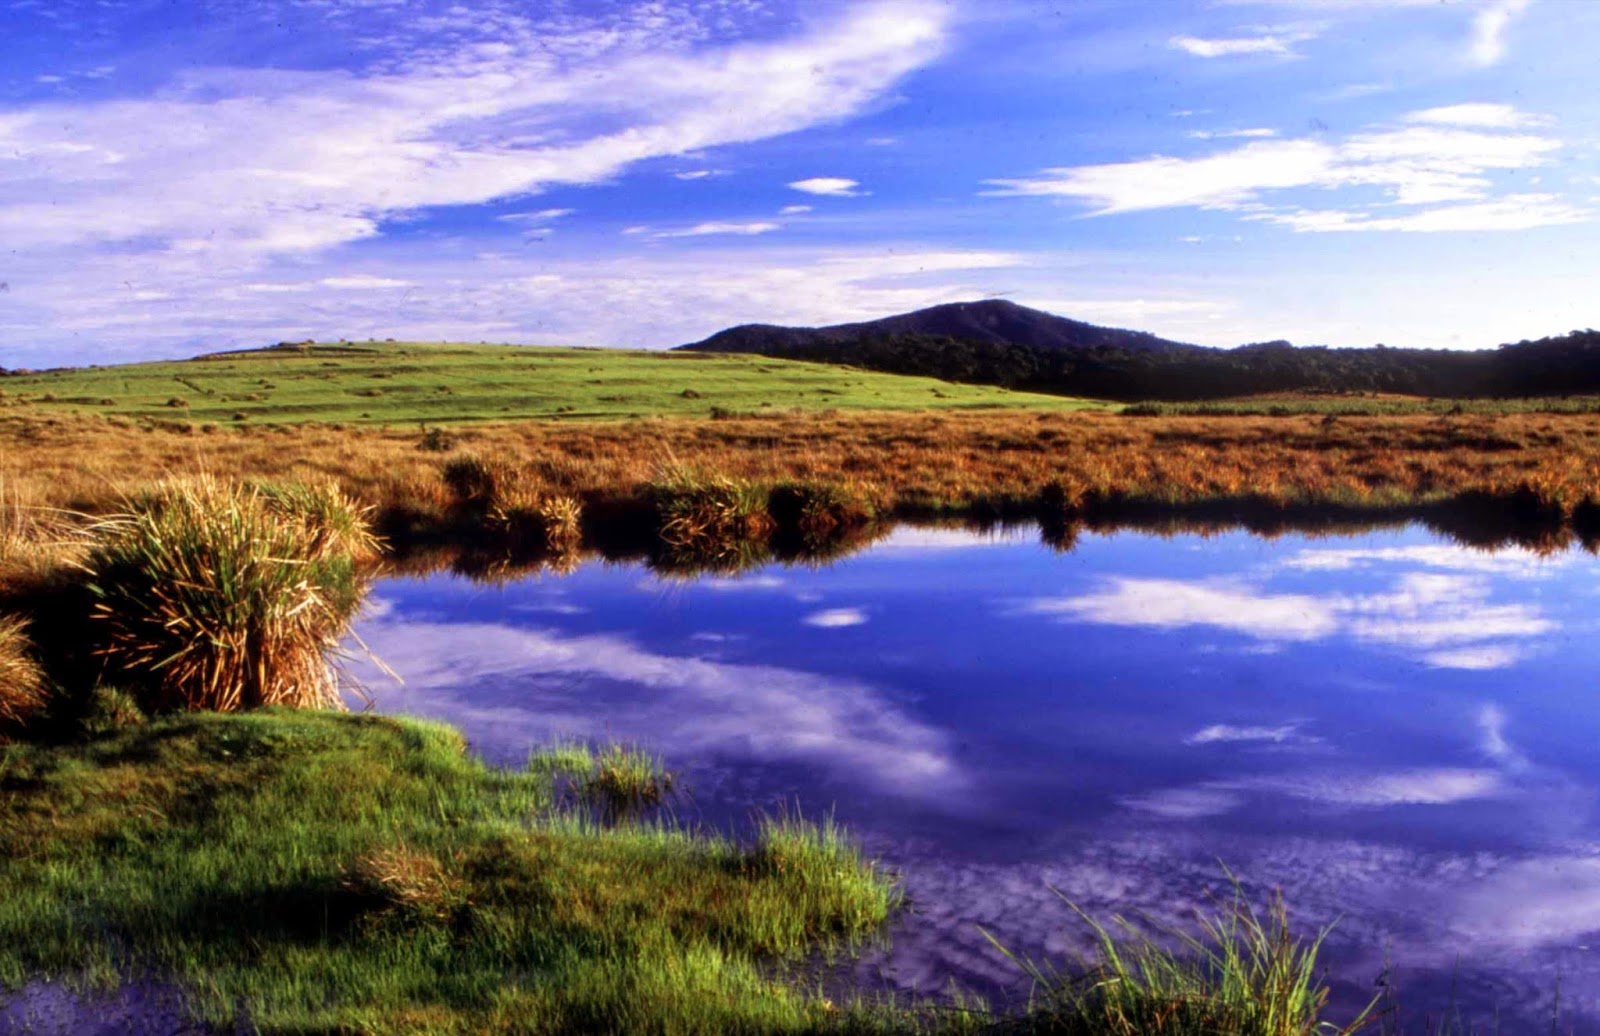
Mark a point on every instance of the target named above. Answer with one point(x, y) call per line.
point(410, 382)
point(316, 872)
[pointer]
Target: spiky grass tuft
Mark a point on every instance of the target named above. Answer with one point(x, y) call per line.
point(22, 682)
point(618, 783)
point(1245, 973)
point(707, 517)
point(216, 596)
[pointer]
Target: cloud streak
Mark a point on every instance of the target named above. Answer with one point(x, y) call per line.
point(1436, 169)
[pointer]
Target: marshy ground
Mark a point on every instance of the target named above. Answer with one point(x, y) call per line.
point(313, 872)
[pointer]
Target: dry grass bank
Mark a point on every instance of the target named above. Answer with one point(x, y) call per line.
point(906, 461)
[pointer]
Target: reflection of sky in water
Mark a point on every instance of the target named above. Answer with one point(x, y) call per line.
point(1395, 730)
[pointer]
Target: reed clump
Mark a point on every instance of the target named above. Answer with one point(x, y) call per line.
point(22, 682)
point(1244, 973)
point(616, 782)
point(514, 504)
point(819, 863)
point(210, 595)
point(708, 513)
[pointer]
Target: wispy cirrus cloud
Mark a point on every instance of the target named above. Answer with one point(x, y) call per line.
point(1275, 43)
point(1433, 173)
point(749, 228)
point(185, 168)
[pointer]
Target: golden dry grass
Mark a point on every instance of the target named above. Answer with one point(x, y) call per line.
point(22, 682)
point(915, 461)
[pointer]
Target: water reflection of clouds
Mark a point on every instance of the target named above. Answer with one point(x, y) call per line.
point(1443, 620)
point(1504, 561)
point(684, 706)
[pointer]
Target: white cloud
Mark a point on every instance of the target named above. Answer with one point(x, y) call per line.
point(749, 229)
point(1222, 733)
point(256, 161)
point(536, 219)
point(794, 210)
point(1513, 212)
point(696, 174)
point(1481, 116)
point(1486, 657)
point(1276, 45)
point(828, 186)
point(1489, 30)
point(362, 282)
point(1437, 169)
point(1253, 132)
point(836, 618)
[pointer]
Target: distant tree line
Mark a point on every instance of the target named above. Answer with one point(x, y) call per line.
point(1563, 365)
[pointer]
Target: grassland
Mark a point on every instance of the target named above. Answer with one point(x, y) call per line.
point(411, 382)
point(316, 872)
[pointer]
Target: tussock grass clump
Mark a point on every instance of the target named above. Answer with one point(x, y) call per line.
point(617, 782)
point(708, 513)
point(34, 540)
point(216, 596)
point(820, 864)
point(412, 882)
point(476, 483)
point(22, 682)
point(820, 510)
point(336, 523)
point(534, 522)
point(513, 502)
point(1245, 973)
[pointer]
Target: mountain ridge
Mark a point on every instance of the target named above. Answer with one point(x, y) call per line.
point(996, 342)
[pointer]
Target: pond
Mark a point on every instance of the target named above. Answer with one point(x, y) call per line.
point(1398, 731)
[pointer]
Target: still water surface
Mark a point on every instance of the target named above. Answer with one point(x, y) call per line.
point(1398, 731)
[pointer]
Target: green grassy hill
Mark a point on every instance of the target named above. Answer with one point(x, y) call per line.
point(396, 382)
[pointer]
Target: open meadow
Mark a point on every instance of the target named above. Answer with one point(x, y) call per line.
point(417, 382)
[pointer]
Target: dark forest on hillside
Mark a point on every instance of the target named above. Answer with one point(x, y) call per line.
point(1568, 364)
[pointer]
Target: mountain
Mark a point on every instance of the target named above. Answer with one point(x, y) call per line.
point(991, 321)
point(1001, 343)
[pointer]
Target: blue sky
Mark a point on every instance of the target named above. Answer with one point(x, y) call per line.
point(182, 177)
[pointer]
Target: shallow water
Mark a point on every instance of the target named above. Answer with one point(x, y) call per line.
point(1397, 731)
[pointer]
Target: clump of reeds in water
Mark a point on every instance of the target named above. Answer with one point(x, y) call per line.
point(819, 863)
point(708, 516)
point(617, 782)
point(514, 503)
point(22, 682)
point(1245, 973)
point(209, 595)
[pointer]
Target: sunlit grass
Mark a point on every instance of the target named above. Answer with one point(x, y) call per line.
point(217, 596)
point(313, 871)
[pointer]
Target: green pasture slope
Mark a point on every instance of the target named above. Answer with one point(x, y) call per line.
point(395, 382)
